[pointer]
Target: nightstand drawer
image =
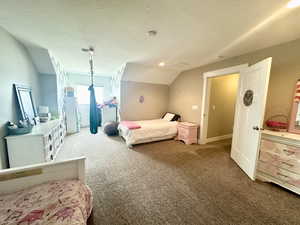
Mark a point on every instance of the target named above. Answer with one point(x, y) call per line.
point(183, 132)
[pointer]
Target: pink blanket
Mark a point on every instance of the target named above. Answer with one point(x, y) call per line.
point(52, 203)
point(130, 125)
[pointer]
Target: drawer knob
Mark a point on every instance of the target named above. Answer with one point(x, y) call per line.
point(289, 151)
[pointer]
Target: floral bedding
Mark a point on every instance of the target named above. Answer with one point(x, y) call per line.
point(56, 202)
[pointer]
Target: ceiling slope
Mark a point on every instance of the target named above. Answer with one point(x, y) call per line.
point(41, 59)
point(190, 33)
point(149, 74)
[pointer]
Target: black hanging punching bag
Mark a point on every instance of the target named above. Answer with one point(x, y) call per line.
point(94, 113)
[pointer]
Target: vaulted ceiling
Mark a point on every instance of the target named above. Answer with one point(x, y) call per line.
point(190, 33)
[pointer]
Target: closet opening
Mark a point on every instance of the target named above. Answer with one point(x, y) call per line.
point(222, 93)
point(219, 103)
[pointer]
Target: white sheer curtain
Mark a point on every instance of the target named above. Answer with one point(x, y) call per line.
point(83, 98)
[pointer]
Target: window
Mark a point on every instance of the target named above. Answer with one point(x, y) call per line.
point(83, 94)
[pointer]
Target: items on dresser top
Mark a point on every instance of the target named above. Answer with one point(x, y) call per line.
point(41, 145)
point(22, 127)
point(279, 159)
point(44, 117)
point(44, 114)
point(187, 132)
point(277, 122)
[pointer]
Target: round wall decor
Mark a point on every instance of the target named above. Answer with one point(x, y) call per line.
point(141, 99)
point(248, 97)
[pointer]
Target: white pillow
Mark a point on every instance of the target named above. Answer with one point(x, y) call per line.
point(168, 116)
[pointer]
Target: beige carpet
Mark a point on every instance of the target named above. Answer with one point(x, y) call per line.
point(171, 183)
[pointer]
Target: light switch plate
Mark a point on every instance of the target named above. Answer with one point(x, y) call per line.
point(195, 107)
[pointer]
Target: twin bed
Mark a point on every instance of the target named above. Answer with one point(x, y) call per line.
point(150, 130)
point(49, 193)
point(56, 193)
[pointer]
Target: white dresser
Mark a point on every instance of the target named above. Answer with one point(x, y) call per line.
point(279, 159)
point(41, 145)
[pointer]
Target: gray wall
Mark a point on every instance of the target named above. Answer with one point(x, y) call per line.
point(15, 67)
point(187, 88)
point(48, 84)
point(155, 104)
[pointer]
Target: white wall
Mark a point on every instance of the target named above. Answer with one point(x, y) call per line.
point(15, 67)
point(100, 81)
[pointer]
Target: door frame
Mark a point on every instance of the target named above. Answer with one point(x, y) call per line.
point(206, 95)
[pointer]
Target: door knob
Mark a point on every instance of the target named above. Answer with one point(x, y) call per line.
point(257, 128)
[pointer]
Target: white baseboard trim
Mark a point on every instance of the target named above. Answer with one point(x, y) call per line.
point(212, 139)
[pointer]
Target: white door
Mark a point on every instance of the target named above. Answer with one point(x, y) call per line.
point(249, 115)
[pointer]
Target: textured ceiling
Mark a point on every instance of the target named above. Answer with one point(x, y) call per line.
point(190, 32)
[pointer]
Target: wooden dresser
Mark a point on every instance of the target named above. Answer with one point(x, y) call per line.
point(187, 132)
point(41, 145)
point(279, 159)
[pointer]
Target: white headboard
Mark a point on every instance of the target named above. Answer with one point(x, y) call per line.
point(16, 179)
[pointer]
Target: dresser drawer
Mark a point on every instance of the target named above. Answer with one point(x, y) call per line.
point(49, 149)
point(280, 149)
point(50, 157)
point(280, 174)
point(48, 139)
point(183, 132)
point(288, 163)
point(182, 136)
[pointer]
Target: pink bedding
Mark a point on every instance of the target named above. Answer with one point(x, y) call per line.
point(130, 125)
point(59, 202)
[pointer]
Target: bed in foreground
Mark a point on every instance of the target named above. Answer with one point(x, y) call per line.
point(50, 193)
point(148, 131)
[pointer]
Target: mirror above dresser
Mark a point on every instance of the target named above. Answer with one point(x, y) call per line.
point(294, 124)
